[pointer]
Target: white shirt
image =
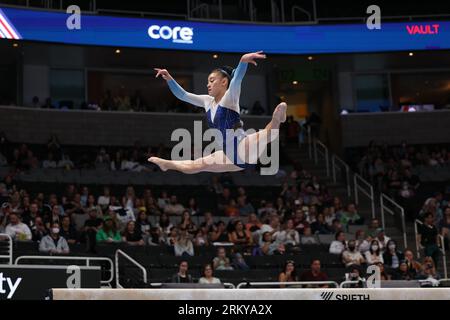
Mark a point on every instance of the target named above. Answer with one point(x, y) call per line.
point(213, 280)
point(20, 228)
point(337, 247)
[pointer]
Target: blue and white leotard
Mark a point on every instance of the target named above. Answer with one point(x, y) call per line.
point(223, 115)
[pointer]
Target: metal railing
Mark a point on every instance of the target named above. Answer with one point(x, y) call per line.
point(345, 283)
point(335, 162)
point(87, 260)
point(325, 154)
point(358, 183)
point(296, 283)
point(137, 264)
point(227, 285)
point(8, 256)
point(416, 236)
point(444, 256)
point(383, 207)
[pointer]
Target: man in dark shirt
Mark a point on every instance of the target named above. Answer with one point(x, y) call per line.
point(315, 274)
point(91, 227)
point(428, 237)
point(182, 276)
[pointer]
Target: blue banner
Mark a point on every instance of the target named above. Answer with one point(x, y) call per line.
point(45, 26)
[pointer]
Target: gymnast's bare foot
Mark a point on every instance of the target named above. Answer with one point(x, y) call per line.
point(279, 114)
point(160, 162)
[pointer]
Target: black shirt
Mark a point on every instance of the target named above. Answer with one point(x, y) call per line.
point(133, 237)
point(428, 233)
point(93, 222)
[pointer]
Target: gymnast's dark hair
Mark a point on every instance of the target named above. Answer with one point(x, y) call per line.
point(226, 71)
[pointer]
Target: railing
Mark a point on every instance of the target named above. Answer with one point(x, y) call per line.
point(444, 256)
point(227, 285)
point(345, 283)
point(325, 153)
point(416, 236)
point(137, 264)
point(8, 256)
point(358, 182)
point(335, 162)
point(87, 260)
point(383, 201)
point(296, 283)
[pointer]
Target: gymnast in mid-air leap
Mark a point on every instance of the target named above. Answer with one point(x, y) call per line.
point(223, 113)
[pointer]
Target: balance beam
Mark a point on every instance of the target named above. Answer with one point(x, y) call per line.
point(254, 294)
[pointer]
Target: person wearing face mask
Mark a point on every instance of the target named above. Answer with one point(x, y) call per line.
point(53, 243)
point(352, 256)
point(374, 256)
point(392, 256)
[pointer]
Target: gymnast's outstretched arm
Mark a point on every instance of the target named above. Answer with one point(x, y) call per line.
point(180, 93)
point(234, 91)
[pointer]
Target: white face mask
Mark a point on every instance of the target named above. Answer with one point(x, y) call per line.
point(55, 230)
point(374, 248)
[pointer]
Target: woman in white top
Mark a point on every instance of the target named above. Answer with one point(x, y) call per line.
point(374, 255)
point(339, 245)
point(208, 277)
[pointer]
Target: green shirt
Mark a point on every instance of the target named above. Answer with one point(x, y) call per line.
point(103, 236)
point(346, 218)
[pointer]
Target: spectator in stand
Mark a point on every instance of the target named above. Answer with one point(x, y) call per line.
point(352, 256)
point(221, 261)
point(269, 247)
point(108, 233)
point(362, 241)
point(339, 244)
point(392, 256)
point(91, 227)
point(384, 276)
point(239, 262)
point(382, 238)
point(183, 246)
point(172, 237)
point(29, 217)
point(132, 235)
point(354, 274)
point(143, 225)
point(373, 228)
point(68, 231)
point(240, 236)
point(174, 208)
point(308, 237)
point(428, 237)
point(351, 216)
point(428, 270)
point(201, 238)
point(53, 243)
point(314, 275)
point(414, 267)
point(207, 276)
point(187, 223)
point(288, 236)
point(219, 233)
point(182, 276)
point(244, 208)
point(253, 224)
point(38, 230)
point(320, 226)
point(54, 217)
point(374, 255)
point(402, 272)
point(288, 274)
point(300, 221)
point(104, 200)
point(164, 224)
point(16, 229)
point(50, 162)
